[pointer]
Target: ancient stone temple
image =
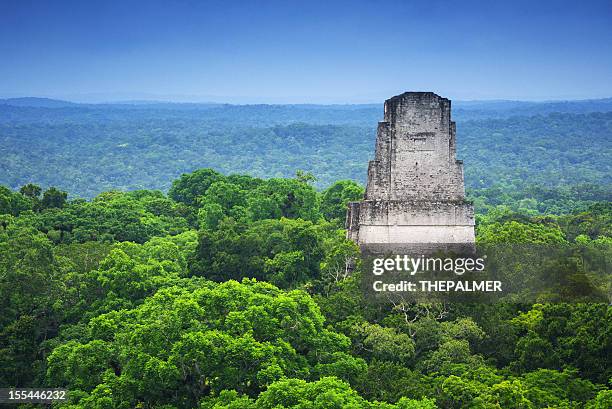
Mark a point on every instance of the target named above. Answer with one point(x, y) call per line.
point(415, 193)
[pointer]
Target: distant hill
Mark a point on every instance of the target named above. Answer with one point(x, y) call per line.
point(36, 102)
point(504, 109)
point(52, 110)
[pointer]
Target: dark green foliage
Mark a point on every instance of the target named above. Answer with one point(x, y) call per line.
point(30, 294)
point(284, 252)
point(232, 292)
point(114, 216)
point(559, 335)
point(31, 190)
point(14, 203)
point(335, 198)
point(53, 198)
point(594, 222)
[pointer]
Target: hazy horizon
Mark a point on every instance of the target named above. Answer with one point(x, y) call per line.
point(222, 101)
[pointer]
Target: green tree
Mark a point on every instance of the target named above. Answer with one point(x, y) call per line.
point(30, 302)
point(53, 198)
point(191, 186)
point(195, 342)
point(334, 199)
point(31, 190)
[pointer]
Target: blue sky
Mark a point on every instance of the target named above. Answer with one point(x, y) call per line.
point(305, 51)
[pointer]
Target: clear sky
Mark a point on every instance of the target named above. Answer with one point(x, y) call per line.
point(305, 51)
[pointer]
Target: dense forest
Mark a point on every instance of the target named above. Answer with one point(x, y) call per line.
point(550, 153)
point(230, 292)
point(178, 256)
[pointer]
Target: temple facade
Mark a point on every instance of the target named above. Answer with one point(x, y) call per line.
point(415, 192)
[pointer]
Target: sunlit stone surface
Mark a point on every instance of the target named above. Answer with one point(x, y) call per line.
point(415, 194)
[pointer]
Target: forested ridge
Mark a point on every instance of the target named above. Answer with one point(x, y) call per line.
point(554, 153)
point(230, 291)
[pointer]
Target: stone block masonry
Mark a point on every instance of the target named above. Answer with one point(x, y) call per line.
point(415, 192)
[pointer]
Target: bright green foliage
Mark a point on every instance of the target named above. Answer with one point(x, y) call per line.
point(482, 388)
point(139, 300)
point(603, 400)
point(327, 393)
point(240, 336)
point(595, 222)
point(389, 382)
point(130, 272)
point(385, 344)
point(545, 387)
point(515, 232)
point(244, 198)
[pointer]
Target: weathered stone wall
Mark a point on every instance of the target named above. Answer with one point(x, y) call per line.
point(415, 151)
point(415, 213)
point(415, 191)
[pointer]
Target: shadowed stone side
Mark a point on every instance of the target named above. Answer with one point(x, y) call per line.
point(415, 191)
